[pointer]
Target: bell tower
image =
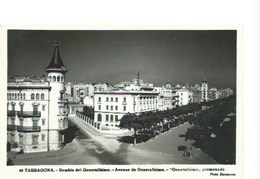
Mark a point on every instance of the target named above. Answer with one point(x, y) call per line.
point(204, 91)
point(58, 105)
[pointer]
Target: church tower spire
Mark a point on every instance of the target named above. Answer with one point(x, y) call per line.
point(138, 78)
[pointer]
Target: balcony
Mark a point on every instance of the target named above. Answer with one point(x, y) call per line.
point(28, 114)
point(11, 127)
point(63, 113)
point(28, 128)
point(63, 101)
point(10, 113)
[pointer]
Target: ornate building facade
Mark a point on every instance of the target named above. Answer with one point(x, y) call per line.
point(37, 110)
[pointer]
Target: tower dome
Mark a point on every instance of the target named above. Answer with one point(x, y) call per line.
point(56, 64)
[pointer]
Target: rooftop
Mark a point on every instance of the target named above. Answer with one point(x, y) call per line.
point(56, 64)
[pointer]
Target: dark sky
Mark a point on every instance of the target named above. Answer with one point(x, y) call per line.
point(113, 56)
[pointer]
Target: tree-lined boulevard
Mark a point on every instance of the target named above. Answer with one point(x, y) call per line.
point(193, 134)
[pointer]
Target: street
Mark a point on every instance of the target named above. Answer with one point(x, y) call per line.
point(88, 152)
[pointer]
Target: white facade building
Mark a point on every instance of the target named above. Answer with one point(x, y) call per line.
point(111, 106)
point(165, 98)
point(183, 97)
point(204, 91)
point(212, 94)
point(37, 109)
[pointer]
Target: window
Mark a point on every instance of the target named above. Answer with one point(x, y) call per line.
point(107, 107)
point(43, 122)
point(32, 96)
point(181, 94)
point(21, 106)
point(54, 78)
point(24, 96)
point(20, 139)
point(12, 137)
point(35, 108)
point(111, 99)
point(99, 107)
point(99, 117)
point(107, 117)
point(116, 118)
point(58, 78)
point(99, 99)
point(43, 107)
point(111, 118)
point(35, 139)
point(21, 122)
point(111, 108)
point(13, 106)
point(13, 121)
point(35, 123)
point(64, 123)
point(124, 99)
point(60, 137)
point(43, 137)
point(116, 99)
point(107, 99)
point(116, 108)
point(42, 96)
point(61, 79)
point(37, 96)
point(124, 108)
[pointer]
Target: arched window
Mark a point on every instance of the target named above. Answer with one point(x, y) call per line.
point(13, 106)
point(37, 96)
point(54, 78)
point(24, 96)
point(32, 96)
point(61, 79)
point(58, 78)
point(42, 96)
point(99, 117)
point(64, 123)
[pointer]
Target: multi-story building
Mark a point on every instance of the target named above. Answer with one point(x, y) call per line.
point(183, 97)
point(204, 91)
point(100, 87)
point(165, 98)
point(77, 92)
point(212, 94)
point(37, 109)
point(111, 106)
point(224, 93)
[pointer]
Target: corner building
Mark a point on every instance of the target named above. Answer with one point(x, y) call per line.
point(111, 106)
point(37, 110)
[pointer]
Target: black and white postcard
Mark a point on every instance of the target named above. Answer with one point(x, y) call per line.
point(114, 101)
